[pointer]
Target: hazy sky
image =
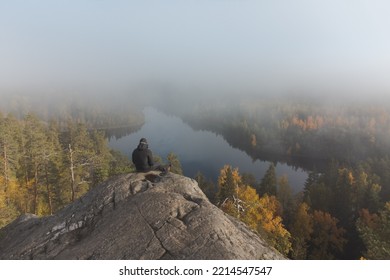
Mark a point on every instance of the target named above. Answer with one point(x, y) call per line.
point(217, 45)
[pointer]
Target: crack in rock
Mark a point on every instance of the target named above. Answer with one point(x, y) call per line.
point(195, 199)
point(153, 230)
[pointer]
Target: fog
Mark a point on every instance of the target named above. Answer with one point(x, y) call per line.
point(88, 47)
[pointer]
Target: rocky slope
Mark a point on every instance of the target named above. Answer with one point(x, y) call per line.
point(135, 216)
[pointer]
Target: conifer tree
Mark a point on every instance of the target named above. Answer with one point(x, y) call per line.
point(316, 194)
point(53, 165)
point(9, 154)
point(344, 201)
point(35, 154)
point(207, 186)
point(228, 182)
point(9, 157)
point(102, 159)
point(79, 160)
point(268, 184)
point(120, 164)
point(285, 198)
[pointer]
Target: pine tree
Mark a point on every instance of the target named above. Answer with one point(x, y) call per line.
point(35, 154)
point(103, 157)
point(120, 164)
point(228, 182)
point(316, 194)
point(268, 184)
point(344, 198)
point(79, 160)
point(207, 186)
point(285, 198)
point(9, 154)
point(53, 165)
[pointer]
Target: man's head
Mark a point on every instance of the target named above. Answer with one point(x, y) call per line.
point(143, 144)
point(143, 141)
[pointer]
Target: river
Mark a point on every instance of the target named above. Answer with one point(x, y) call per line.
point(199, 150)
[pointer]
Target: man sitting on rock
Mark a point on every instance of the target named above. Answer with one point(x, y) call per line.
point(143, 159)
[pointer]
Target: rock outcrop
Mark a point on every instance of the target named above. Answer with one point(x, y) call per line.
point(135, 216)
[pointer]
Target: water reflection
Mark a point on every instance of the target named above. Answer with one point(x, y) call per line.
point(198, 150)
point(120, 132)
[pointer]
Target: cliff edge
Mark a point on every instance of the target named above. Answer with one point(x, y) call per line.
point(135, 216)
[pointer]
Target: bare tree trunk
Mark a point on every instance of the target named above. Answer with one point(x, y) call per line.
point(35, 189)
point(48, 192)
point(27, 196)
point(238, 203)
point(73, 184)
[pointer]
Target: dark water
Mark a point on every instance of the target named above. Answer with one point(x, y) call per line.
point(201, 151)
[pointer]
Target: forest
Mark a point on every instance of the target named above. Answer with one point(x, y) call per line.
point(299, 131)
point(339, 215)
point(45, 166)
point(94, 111)
point(343, 211)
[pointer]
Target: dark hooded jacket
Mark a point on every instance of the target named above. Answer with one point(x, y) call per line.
point(142, 157)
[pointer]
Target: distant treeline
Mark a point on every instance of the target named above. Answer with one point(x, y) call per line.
point(348, 133)
point(94, 111)
point(303, 133)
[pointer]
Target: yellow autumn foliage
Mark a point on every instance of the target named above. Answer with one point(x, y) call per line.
point(259, 213)
point(272, 225)
point(7, 210)
point(223, 175)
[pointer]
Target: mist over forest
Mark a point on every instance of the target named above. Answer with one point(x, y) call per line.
point(296, 82)
point(59, 58)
